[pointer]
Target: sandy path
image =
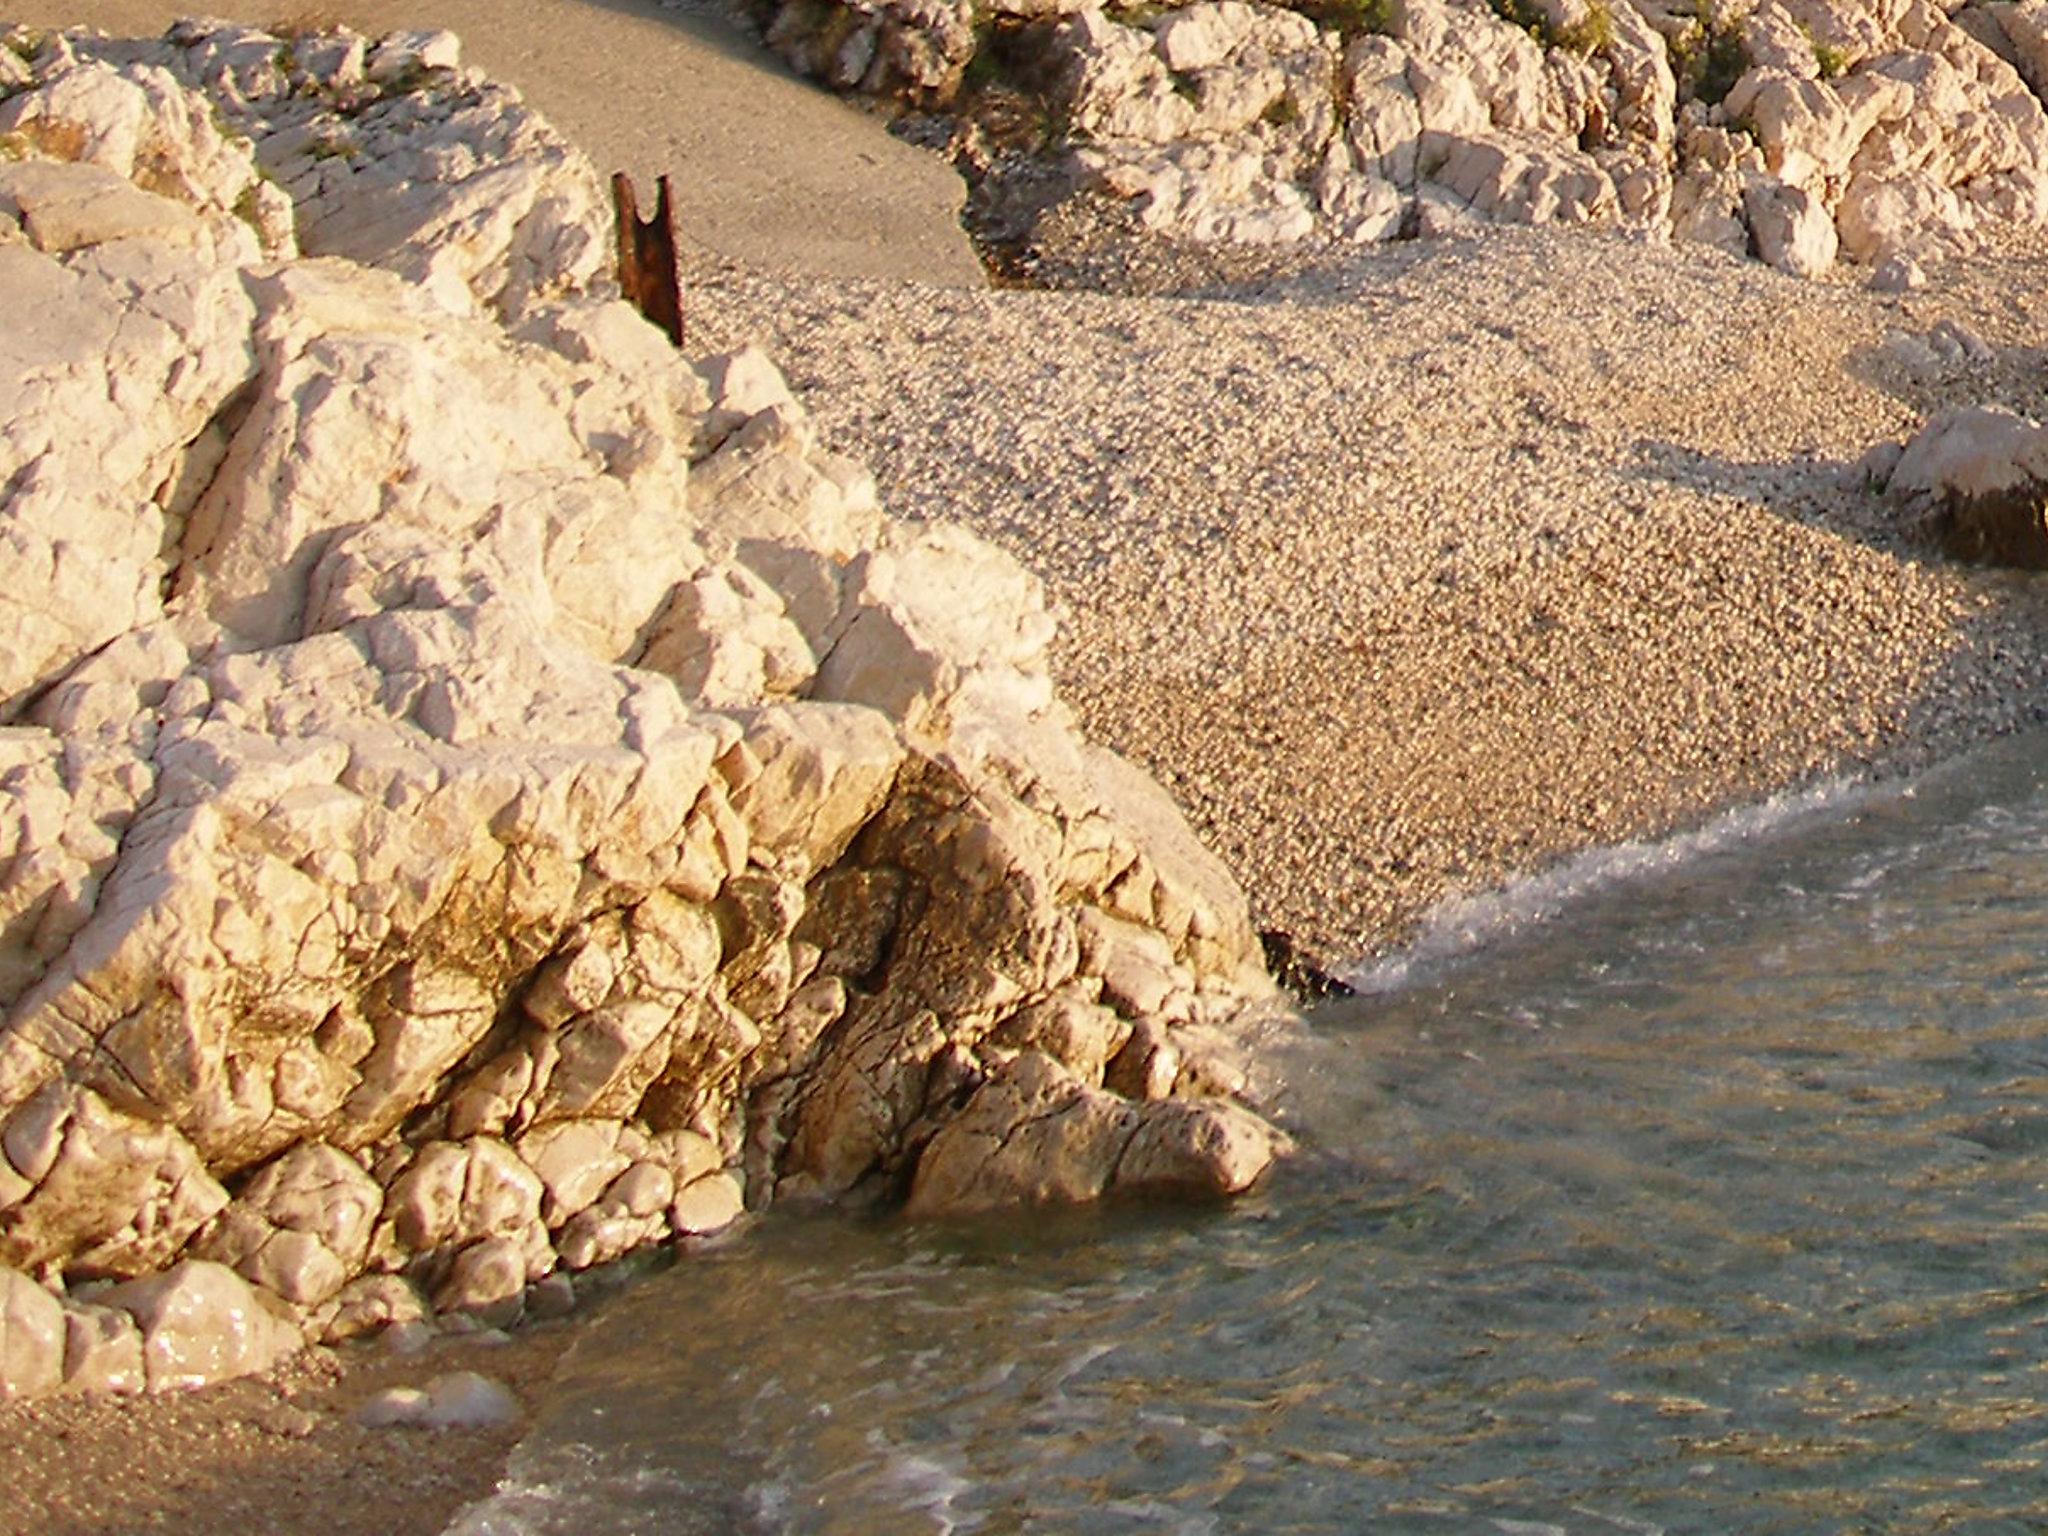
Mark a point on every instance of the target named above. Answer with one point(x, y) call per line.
point(647, 88)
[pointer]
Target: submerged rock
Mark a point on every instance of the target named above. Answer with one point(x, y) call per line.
point(485, 794)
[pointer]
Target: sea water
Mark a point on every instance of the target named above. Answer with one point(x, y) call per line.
point(1698, 1189)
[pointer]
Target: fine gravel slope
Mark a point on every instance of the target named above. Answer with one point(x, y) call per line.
point(1420, 569)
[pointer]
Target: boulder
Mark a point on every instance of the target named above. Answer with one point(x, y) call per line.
point(1036, 1134)
point(486, 794)
point(33, 1331)
point(200, 1323)
point(1790, 226)
point(1981, 475)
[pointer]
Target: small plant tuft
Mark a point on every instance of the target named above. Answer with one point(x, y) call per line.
point(1709, 57)
point(1143, 15)
point(1832, 62)
point(299, 25)
point(1590, 34)
point(1527, 15)
point(1351, 18)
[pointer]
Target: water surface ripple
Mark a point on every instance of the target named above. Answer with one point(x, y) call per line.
point(1715, 1204)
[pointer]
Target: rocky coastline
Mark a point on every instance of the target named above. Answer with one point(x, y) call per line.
point(486, 794)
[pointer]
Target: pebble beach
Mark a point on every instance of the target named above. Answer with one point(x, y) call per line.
point(1411, 571)
point(1408, 571)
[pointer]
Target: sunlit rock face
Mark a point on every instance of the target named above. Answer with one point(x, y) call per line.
point(484, 792)
point(1796, 130)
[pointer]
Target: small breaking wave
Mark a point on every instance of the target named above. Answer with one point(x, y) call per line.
point(1460, 926)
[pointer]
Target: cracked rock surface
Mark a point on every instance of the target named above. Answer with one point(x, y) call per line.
point(483, 793)
point(1793, 130)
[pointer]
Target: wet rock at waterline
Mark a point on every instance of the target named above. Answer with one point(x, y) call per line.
point(486, 794)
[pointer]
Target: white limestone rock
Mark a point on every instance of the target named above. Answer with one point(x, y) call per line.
point(1971, 452)
point(103, 1351)
point(1036, 1135)
point(302, 1227)
point(509, 796)
point(707, 1205)
point(453, 1400)
point(32, 1338)
point(1791, 227)
point(939, 621)
point(200, 1323)
point(1979, 477)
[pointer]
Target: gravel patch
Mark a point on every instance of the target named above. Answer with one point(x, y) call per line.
point(1416, 569)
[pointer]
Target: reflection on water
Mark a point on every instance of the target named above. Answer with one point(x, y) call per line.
point(1715, 1206)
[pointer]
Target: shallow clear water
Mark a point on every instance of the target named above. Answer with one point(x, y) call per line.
point(1714, 1203)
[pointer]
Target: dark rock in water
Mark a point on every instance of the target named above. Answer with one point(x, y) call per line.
point(1296, 972)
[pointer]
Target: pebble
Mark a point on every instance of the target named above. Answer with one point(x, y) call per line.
point(456, 1400)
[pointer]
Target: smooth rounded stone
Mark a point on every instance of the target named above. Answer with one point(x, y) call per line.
point(707, 1205)
point(641, 1190)
point(411, 1337)
point(597, 1236)
point(454, 1400)
point(1034, 1134)
point(551, 1298)
point(102, 1351)
point(393, 1408)
point(200, 1323)
point(1206, 1148)
point(487, 1282)
point(468, 1400)
point(1898, 273)
point(576, 1161)
point(369, 1302)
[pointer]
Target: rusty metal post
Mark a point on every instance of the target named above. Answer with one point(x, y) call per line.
point(648, 273)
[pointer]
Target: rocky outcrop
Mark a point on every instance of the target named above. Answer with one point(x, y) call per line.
point(1792, 129)
point(483, 792)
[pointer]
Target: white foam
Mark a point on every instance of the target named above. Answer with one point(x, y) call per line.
point(926, 1486)
point(1460, 925)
